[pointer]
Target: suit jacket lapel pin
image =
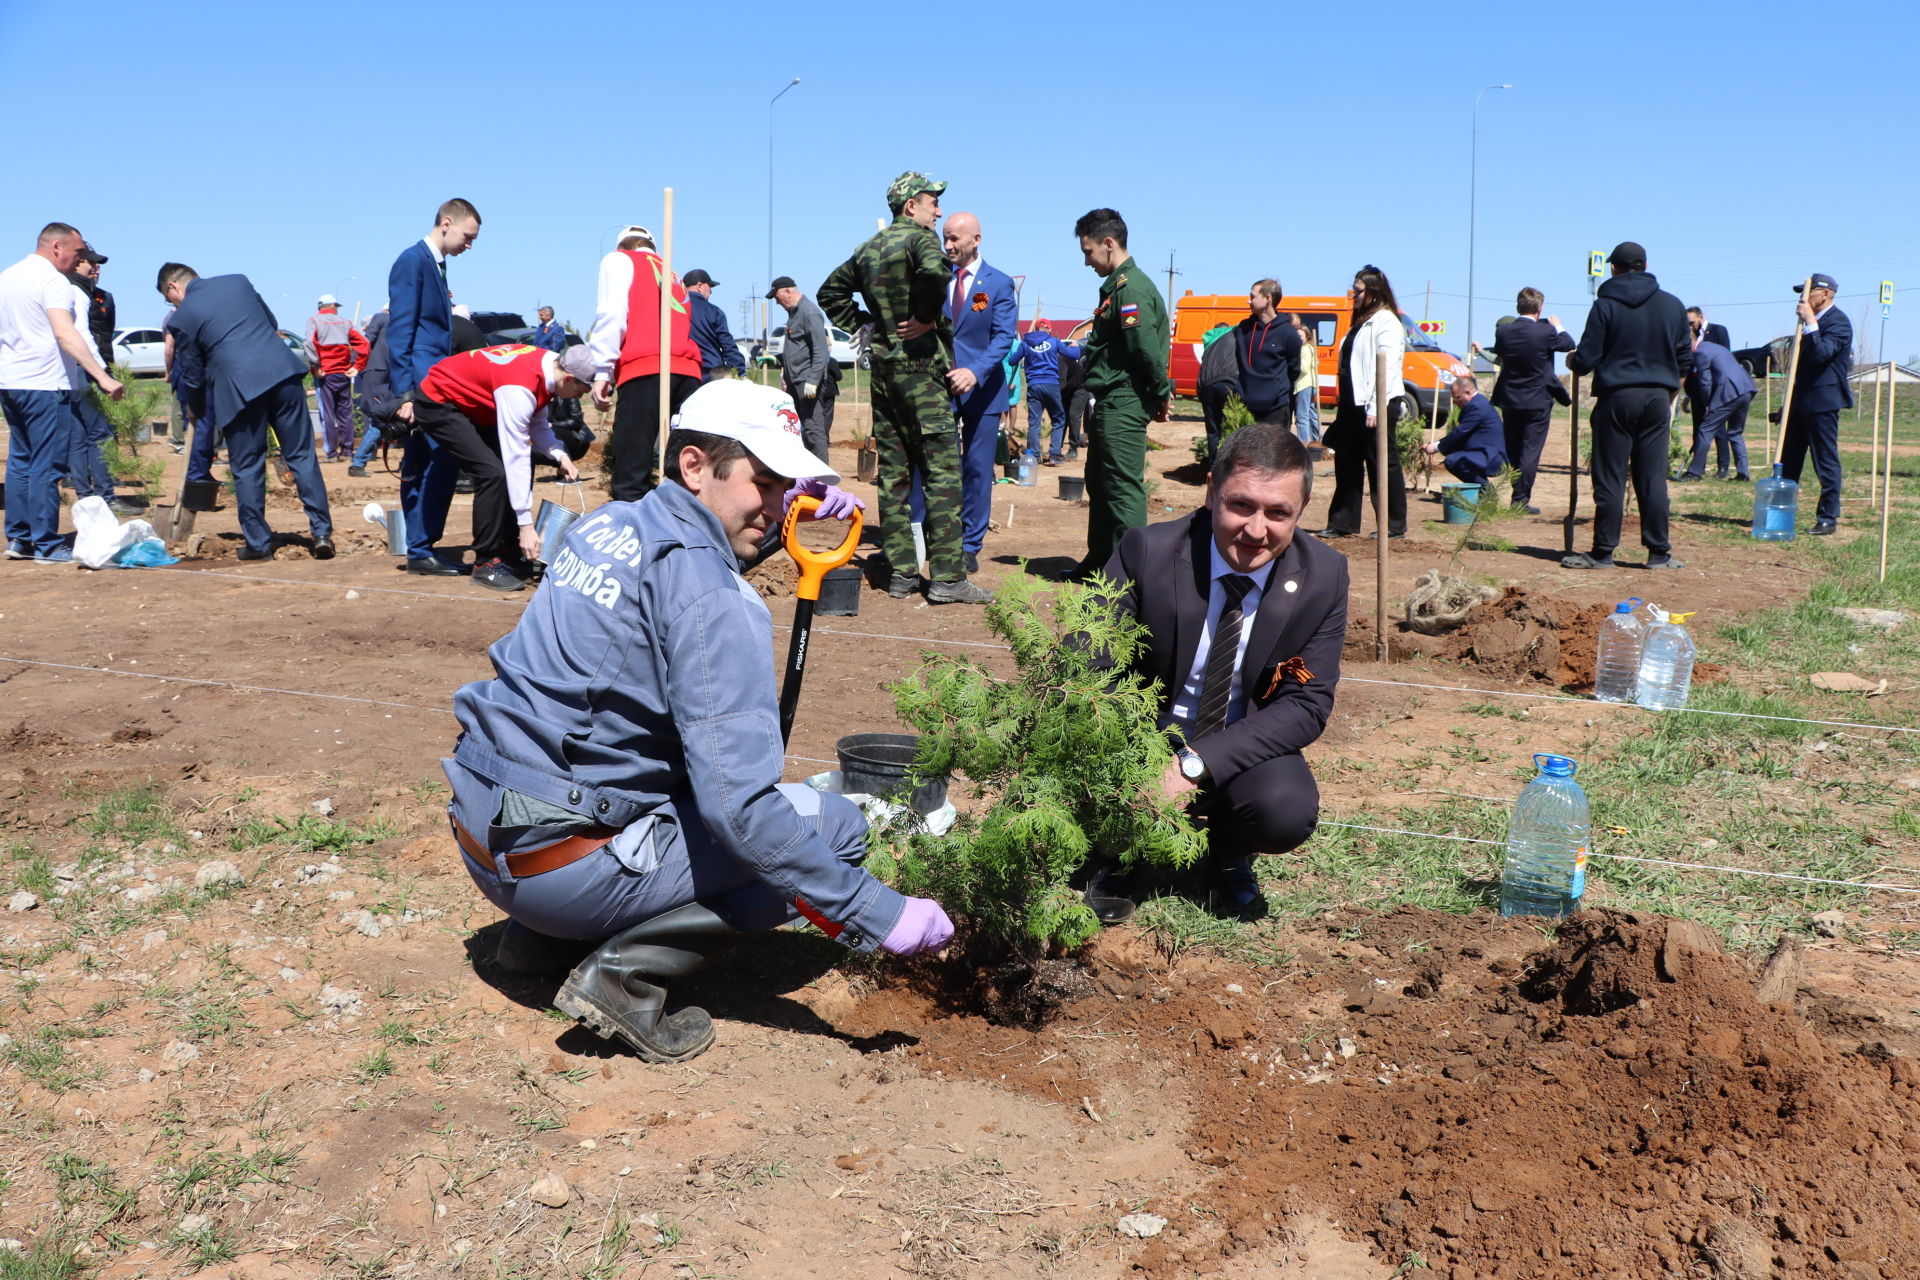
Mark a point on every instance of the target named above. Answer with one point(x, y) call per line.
point(979, 302)
point(1293, 585)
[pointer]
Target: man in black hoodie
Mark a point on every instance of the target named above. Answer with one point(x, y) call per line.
point(1638, 348)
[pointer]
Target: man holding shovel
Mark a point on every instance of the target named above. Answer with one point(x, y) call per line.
point(616, 783)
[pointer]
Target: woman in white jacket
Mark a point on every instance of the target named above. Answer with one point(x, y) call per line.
point(1376, 329)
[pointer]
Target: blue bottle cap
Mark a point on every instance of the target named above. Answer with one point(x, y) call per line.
point(1555, 766)
point(1628, 605)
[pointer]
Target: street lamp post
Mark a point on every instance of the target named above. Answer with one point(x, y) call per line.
point(775, 98)
point(1473, 197)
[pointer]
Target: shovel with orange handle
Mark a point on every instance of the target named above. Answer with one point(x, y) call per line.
point(813, 569)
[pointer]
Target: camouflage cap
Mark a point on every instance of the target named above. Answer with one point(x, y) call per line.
point(908, 185)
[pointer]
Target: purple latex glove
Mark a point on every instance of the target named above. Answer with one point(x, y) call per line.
point(835, 504)
point(923, 927)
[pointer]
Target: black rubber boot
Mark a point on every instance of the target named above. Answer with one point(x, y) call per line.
point(527, 953)
point(617, 994)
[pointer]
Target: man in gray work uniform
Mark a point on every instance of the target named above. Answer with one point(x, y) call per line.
point(617, 782)
point(806, 365)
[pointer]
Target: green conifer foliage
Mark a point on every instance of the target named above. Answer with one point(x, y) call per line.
point(1068, 751)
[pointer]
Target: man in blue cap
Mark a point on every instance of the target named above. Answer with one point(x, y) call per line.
point(1820, 392)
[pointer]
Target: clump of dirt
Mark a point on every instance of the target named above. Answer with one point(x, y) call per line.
point(1621, 1103)
point(776, 577)
point(1519, 637)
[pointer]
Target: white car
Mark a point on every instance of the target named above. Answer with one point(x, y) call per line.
point(843, 346)
point(142, 351)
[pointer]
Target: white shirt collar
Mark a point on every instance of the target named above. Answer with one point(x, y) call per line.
point(439, 258)
point(1220, 568)
point(969, 273)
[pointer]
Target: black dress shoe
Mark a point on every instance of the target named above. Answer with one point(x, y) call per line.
point(1331, 532)
point(1110, 893)
point(433, 566)
point(323, 549)
point(253, 553)
point(1232, 891)
point(1687, 477)
point(1821, 528)
point(1531, 509)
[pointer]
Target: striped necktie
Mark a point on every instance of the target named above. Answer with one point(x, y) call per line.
point(1222, 654)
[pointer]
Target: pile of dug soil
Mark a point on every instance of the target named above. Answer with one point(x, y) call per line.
point(1620, 1104)
point(1519, 637)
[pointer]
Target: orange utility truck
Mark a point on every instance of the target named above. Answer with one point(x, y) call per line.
point(1328, 319)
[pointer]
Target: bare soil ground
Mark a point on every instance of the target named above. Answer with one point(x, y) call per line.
point(304, 1063)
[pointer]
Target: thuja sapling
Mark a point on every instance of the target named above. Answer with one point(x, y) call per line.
point(1068, 753)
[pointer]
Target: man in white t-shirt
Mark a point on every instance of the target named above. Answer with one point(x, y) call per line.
point(39, 335)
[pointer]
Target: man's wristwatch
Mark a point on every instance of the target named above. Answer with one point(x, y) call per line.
point(1192, 767)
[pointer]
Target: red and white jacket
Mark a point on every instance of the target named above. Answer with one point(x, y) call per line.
point(505, 390)
point(625, 338)
point(334, 345)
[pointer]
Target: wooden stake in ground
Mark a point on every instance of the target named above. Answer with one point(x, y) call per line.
point(1873, 476)
point(1573, 464)
point(1886, 493)
point(666, 328)
point(1766, 382)
point(1793, 371)
point(1383, 428)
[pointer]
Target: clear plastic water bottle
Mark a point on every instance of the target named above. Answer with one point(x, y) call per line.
point(1616, 668)
point(1666, 663)
point(1546, 868)
point(1776, 501)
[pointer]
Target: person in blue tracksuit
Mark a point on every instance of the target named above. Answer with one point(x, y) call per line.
point(617, 782)
point(1040, 351)
point(419, 336)
point(1476, 449)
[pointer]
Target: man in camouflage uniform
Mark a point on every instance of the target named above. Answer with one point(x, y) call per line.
point(897, 282)
point(1126, 370)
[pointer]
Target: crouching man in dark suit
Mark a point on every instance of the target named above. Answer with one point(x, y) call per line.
point(1245, 619)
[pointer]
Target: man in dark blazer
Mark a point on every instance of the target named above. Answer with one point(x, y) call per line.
point(985, 311)
point(1709, 332)
point(1721, 392)
point(1820, 392)
point(233, 369)
point(1237, 567)
point(1475, 449)
point(420, 335)
point(1527, 389)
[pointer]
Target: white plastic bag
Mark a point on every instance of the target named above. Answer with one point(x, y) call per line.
point(98, 537)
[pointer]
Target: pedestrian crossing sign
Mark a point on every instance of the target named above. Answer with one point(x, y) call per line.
point(1597, 264)
point(1886, 293)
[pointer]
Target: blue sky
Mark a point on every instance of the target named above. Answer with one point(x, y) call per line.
point(1246, 139)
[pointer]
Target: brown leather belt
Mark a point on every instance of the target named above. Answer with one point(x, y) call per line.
point(532, 862)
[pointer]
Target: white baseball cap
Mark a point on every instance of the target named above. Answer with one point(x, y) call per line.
point(761, 418)
point(631, 230)
point(328, 300)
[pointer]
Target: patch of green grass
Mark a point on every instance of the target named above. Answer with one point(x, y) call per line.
point(43, 1057)
point(31, 869)
point(307, 833)
point(54, 1256)
point(399, 1033)
point(375, 1065)
point(135, 814)
point(215, 1017)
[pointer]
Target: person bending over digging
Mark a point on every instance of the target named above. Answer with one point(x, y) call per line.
point(617, 782)
point(1245, 618)
point(1476, 450)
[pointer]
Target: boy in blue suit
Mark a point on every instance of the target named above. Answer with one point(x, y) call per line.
point(419, 335)
point(1476, 450)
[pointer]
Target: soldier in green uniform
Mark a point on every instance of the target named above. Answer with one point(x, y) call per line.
point(1125, 358)
point(897, 282)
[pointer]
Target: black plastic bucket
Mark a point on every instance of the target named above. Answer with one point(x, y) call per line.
point(1073, 488)
point(201, 495)
point(840, 592)
point(880, 764)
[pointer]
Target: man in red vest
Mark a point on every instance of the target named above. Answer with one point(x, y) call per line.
point(625, 342)
point(488, 408)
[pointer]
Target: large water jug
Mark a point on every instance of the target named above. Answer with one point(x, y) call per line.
point(1546, 868)
point(1776, 500)
point(1666, 663)
point(1616, 669)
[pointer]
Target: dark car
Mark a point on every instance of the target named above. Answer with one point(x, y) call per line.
point(496, 322)
point(1760, 361)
